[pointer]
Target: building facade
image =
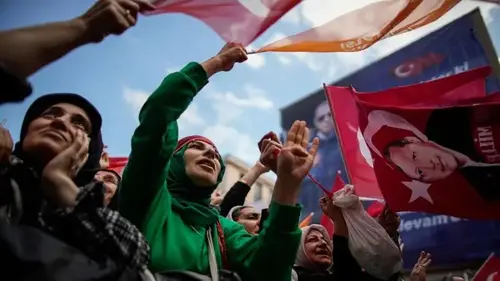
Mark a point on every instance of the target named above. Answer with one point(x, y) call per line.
point(260, 193)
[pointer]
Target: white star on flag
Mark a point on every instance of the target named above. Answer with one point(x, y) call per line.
point(418, 189)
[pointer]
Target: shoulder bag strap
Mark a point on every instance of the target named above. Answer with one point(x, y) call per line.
point(212, 260)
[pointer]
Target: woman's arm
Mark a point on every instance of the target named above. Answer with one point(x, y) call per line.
point(154, 141)
point(237, 194)
point(255, 256)
point(143, 187)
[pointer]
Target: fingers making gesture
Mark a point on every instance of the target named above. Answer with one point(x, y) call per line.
point(293, 163)
point(419, 272)
point(295, 159)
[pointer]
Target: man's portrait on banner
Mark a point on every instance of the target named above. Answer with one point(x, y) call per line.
point(452, 140)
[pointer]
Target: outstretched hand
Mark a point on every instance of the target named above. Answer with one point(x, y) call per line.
point(231, 54)
point(294, 160)
point(112, 17)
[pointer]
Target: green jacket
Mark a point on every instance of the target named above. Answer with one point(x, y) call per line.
point(146, 201)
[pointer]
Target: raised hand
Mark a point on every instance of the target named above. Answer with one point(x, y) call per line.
point(112, 17)
point(294, 160)
point(329, 209)
point(58, 174)
point(230, 54)
point(216, 198)
point(419, 272)
point(6, 145)
point(270, 148)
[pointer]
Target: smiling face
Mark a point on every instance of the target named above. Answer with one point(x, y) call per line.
point(202, 163)
point(317, 248)
point(54, 130)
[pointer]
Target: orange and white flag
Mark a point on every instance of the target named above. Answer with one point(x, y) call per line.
point(359, 29)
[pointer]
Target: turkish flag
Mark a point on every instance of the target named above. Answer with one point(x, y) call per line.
point(117, 164)
point(489, 271)
point(359, 163)
point(239, 21)
point(436, 159)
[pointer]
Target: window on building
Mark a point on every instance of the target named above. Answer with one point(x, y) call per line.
point(257, 192)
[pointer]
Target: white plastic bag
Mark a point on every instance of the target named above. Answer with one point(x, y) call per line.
point(369, 243)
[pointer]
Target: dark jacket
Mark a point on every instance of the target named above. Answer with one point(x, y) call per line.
point(345, 267)
point(440, 129)
point(234, 197)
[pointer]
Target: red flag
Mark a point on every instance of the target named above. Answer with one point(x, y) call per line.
point(359, 162)
point(117, 164)
point(489, 271)
point(234, 20)
point(325, 220)
point(436, 159)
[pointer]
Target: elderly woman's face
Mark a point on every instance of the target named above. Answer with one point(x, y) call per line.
point(54, 130)
point(202, 163)
point(317, 248)
point(110, 182)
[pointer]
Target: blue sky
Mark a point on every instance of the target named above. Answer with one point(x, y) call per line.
point(236, 108)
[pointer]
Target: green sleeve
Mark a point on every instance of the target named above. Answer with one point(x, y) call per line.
point(143, 187)
point(271, 254)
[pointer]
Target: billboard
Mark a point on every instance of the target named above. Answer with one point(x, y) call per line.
point(459, 46)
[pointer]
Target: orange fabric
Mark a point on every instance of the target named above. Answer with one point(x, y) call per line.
point(359, 29)
point(307, 221)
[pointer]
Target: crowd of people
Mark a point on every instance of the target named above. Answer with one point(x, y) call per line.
point(65, 216)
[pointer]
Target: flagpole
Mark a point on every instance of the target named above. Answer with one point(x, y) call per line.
point(482, 266)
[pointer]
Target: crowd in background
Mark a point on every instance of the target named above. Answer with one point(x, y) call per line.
point(65, 216)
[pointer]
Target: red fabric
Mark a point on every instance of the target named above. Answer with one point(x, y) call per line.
point(188, 139)
point(455, 187)
point(489, 271)
point(234, 20)
point(222, 246)
point(456, 89)
point(375, 209)
point(117, 164)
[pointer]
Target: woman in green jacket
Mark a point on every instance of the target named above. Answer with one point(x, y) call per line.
point(166, 187)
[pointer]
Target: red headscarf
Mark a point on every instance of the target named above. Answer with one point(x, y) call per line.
point(192, 138)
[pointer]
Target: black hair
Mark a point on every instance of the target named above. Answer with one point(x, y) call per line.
point(235, 215)
point(396, 143)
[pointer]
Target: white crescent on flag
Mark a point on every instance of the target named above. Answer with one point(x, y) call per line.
point(363, 148)
point(256, 7)
point(491, 277)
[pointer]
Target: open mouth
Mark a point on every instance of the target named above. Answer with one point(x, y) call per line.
point(322, 252)
point(207, 164)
